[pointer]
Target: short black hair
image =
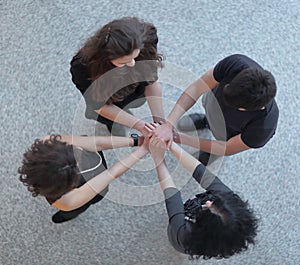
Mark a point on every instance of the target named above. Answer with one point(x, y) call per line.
point(251, 89)
point(49, 168)
point(222, 235)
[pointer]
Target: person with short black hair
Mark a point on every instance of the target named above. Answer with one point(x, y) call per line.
point(240, 109)
point(216, 223)
point(71, 171)
point(116, 69)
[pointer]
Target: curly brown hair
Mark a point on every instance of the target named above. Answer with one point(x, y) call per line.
point(49, 168)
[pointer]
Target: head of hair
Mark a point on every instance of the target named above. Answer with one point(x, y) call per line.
point(116, 39)
point(251, 89)
point(49, 168)
point(224, 234)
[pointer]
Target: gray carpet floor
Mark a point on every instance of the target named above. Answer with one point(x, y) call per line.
point(38, 41)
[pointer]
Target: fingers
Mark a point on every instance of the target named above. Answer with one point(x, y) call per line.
point(169, 144)
point(151, 126)
point(156, 131)
point(156, 142)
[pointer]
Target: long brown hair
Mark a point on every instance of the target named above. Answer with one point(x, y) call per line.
point(118, 38)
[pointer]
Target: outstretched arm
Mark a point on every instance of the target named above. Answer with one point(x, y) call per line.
point(96, 143)
point(184, 103)
point(114, 113)
point(158, 148)
point(153, 94)
point(186, 159)
point(79, 196)
point(232, 146)
point(204, 177)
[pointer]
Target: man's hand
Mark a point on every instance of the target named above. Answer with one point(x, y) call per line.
point(162, 132)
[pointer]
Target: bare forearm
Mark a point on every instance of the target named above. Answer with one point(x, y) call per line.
point(153, 94)
point(116, 114)
point(164, 177)
point(186, 159)
point(79, 196)
point(184, 103)
point(122, 166)
point(98, 143)
point(205, 83)
point(210, 146)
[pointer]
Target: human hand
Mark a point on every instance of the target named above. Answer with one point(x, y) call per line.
point(141, 140)
point(176, 136)
point(157, 148)
point(162, 132)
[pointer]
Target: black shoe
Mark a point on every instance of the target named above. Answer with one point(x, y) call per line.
point(60, 218)
point(195, 121)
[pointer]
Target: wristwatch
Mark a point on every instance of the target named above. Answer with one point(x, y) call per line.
point(135, 138)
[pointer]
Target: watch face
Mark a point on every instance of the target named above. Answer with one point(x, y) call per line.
point(134, 135)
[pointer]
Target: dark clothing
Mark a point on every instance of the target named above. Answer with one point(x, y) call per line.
point(132, 79)
point(256, 127)
point(179, 229)
point(90, 164)
point(97, 93)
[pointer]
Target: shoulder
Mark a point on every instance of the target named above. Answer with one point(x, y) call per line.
point(79, 72)
point(231, 65)
point(258, 132)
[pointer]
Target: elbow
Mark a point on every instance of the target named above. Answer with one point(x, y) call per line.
point(227, 153)
point(65, 205)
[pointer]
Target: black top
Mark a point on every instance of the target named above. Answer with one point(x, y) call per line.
point(98, 92)
point(180, 230)
point(256, 127)
point(90, 165)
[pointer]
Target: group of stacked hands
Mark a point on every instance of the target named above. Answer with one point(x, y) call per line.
point(111, 71)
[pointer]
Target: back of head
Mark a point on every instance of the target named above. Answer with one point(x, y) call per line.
point(49, 168)
point(225, 230)
point(251, 89)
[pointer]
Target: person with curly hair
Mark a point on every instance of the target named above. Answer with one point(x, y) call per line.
point(71, 171)
point(116, 69)
point(216, 223)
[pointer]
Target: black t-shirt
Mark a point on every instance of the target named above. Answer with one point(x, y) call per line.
point(180, 230)
point(90, 165)
point(256, 127)
point(134, 79)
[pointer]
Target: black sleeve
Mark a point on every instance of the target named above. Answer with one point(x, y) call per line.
point(257, 133)
point(208, 180)
point(178, 225)
point(229, 67)
point(79, 74)
point(174, 204)
point(93, 96)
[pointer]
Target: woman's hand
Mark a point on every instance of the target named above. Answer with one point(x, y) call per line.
point(157, 148)
point(165, 133)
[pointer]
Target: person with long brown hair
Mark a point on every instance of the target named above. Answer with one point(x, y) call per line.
point(116, 69)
